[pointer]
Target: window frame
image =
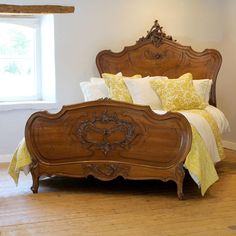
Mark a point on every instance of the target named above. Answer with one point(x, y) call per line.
point(32, 21)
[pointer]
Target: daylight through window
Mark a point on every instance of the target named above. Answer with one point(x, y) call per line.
point(20, 59)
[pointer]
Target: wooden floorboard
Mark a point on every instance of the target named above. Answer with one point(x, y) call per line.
point(67, 206)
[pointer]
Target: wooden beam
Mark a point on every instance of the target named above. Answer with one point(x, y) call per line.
point(35, 9)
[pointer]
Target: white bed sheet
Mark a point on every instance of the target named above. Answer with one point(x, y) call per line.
point(216, 113)
point(220, 118)
point(205, 131)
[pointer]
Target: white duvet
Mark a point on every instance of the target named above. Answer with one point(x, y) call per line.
point(205, 130)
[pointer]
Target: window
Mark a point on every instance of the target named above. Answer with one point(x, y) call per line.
point(26, 53)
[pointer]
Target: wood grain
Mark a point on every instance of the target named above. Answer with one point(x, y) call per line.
point(67, 206)
point(35, 9)
point(168, 59)
point(106, 139)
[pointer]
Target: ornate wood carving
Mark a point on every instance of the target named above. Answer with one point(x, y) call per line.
point(106, 171)
point(111, 124)
point(156, 144)
point(169, 59)
point(150, 55)
point(78, 141)
point(156, 35)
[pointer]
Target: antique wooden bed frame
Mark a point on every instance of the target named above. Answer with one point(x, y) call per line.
point(106, 138)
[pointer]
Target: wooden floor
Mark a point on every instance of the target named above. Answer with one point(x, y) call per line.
point(90, 207)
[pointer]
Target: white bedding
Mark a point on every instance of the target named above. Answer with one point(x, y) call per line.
point(142, 93)
point(20, 162)
point(220, 118)
point(216, 113)
point(205, 131)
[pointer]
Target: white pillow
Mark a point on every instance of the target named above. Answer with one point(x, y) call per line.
point(208, 92)
point(203, 88)
point(100, 83)
point(142, 92)
point(96, 80)
point(93, 91)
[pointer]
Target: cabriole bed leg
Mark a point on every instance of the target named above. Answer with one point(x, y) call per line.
point(35, 185)
point(35, 178)
point(180, 174)
point(180, 191)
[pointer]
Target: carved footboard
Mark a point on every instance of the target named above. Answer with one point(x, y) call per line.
point(107, 139)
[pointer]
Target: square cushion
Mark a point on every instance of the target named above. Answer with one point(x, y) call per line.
point(93, 91)
point(178, 94)
point(117, 88)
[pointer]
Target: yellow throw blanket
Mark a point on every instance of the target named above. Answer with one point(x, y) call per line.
point(198, 162)
point(21, 161)
point(214, 128)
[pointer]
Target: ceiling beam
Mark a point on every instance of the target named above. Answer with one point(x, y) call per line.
point(34, 9)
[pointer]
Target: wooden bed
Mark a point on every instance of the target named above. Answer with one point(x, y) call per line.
point(106, 138)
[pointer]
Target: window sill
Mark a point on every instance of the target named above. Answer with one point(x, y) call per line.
point(31, 105)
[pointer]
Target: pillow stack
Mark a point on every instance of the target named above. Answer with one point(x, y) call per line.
point(142, 92)
point(117, 88)
point(95, 88)
point(159, 92)
point(203, 88)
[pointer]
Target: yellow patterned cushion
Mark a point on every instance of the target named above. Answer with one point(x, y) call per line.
point(178, 94)
point(117, 88)
point(107, 75)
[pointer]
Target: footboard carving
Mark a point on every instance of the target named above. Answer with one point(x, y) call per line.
point(105, 171)
point(107, 139)
point(106, 125)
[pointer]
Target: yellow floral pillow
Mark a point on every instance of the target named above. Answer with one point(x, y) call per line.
point(117, 88)
point(107, 75)
point(178, 94)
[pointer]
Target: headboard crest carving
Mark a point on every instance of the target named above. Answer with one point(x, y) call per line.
point(156, 35)
point(159, 54)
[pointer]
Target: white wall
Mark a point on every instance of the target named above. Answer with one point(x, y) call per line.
point(106, 24)
point(227, 82)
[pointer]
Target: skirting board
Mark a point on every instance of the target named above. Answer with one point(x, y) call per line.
point(229, 145)
point(226, 144)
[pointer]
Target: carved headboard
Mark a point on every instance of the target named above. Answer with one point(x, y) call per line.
point(159, 54)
